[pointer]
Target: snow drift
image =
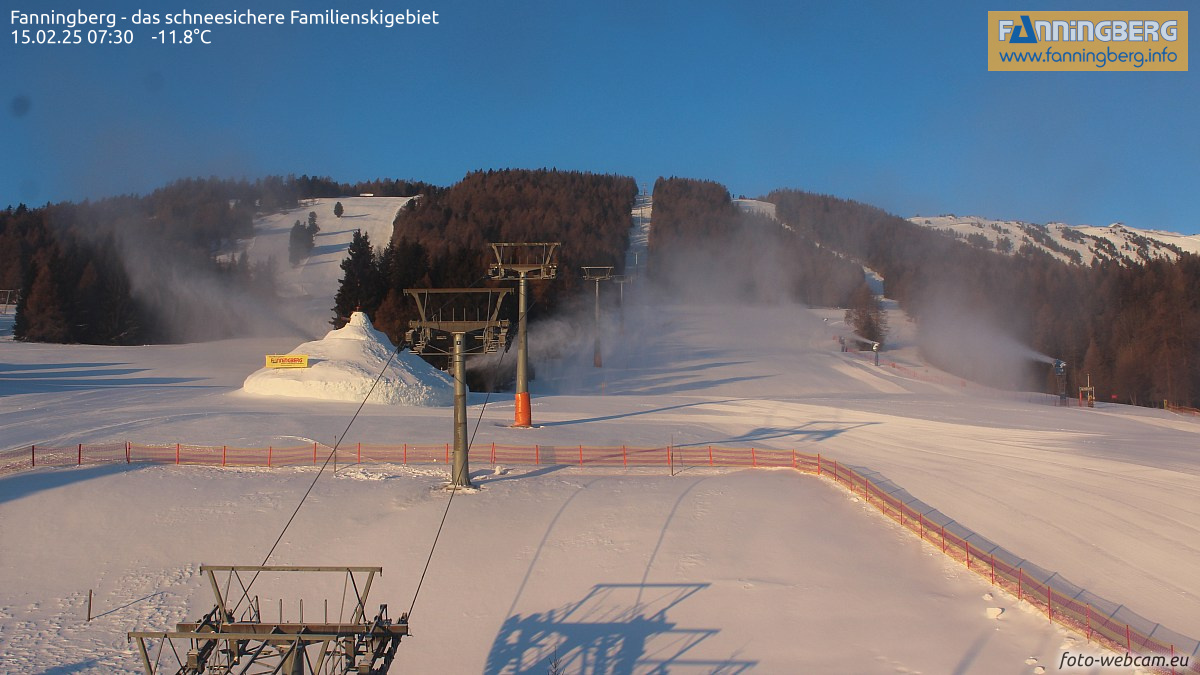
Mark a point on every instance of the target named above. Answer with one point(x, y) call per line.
point(344, 364)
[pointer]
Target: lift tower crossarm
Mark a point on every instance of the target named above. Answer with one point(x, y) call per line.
point(523, 262)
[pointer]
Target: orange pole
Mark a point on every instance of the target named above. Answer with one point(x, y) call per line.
point(223, 450)
point(314, 452)
point(537, 455)
point(493, 452)
point(710, 460)
point(753, 459)
point(176, 453)
point(406, 454)
point(358, 453)
point(581, 455)
point(270, 451)
point(80, 460)
point(624, 457)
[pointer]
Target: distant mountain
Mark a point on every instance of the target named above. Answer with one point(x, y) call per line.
point(1079, 244)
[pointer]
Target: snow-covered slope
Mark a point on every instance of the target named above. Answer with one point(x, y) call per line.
point(309, 287)
point(700, 571)
point(1081, 244)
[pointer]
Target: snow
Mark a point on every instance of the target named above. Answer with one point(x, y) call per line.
point(306, 287)
point(1088, 242)
point(345, 366)
point(706, 570)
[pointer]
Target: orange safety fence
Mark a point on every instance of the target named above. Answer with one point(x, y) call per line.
point(1064, 603)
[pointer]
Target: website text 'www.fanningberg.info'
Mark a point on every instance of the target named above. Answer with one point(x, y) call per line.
point(1082, 41)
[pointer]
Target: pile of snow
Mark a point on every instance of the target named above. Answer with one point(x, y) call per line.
point(344, 364)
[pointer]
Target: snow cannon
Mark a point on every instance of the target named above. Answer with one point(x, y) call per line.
point(1060, 375)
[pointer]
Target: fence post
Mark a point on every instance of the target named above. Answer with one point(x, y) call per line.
point(314, 453)
point(581, 454)
point(670, 461)
point(624, 457)
point(537, 454)
point(177, 453)
point(818, 464)
point(1020, 584)
point(710, 459)
point(447, 453)
point(753, 458)
point(224, 450)
point(127, 452)
point(406, 454)
point(993, 569)
point(33, 456)
point(493, 452)
point(943, 539)
point(270, 451)
point(358, 453)
point(1049, 602)
point(1128, 642)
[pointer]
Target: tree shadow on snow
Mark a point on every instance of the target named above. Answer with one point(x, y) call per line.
point(615, 628)
point(20, 484)
point(634, 413)
point(809, 432)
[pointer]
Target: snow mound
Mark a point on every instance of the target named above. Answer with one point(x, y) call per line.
point(344, 364)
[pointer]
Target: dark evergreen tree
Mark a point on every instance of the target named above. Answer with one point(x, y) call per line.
point(866, 316)
point(361, 288)
point(298, 246)
point(338, 210)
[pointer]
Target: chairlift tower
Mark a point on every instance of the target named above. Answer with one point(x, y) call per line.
point(537, 261)
point(465, 322)
point(597, 274)
point(620, 280)
point(233, 637)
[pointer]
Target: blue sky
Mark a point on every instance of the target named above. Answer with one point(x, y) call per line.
point(883, 102)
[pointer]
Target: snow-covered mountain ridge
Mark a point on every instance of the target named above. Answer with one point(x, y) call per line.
point(1080, 244)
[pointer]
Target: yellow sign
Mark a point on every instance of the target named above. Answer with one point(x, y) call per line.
point(287, 360)
point(1087, 41)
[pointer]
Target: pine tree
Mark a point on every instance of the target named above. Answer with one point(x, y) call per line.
point(361, 288)
point(300, 241)
point(338, 210)
point(866, 315)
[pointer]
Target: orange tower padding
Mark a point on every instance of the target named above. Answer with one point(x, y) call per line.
point(523, 417)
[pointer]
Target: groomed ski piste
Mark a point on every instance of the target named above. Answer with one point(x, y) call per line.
point(692, 569)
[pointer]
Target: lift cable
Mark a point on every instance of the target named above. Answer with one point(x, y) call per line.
point(246, 592)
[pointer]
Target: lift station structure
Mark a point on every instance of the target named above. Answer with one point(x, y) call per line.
point(524, 262)
point(226, 641)
point(464, 321)
point(597, 274)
